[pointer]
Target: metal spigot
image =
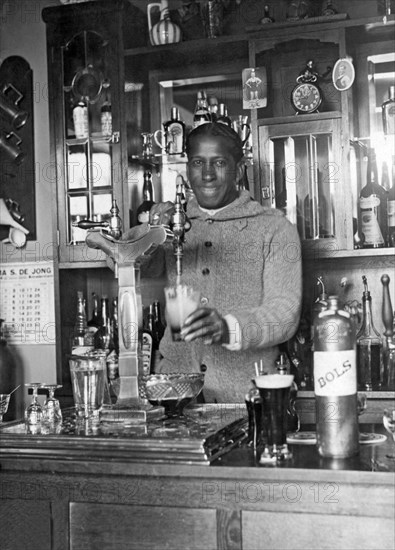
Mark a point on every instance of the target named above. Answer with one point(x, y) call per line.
point(113, 227)
point(179, 224)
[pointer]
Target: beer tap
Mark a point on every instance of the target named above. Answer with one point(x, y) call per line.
point(112, 227)
point(179, 224)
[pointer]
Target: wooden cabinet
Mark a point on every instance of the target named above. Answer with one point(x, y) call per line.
point(85, 74)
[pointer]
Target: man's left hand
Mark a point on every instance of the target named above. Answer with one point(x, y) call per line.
point(208, 324)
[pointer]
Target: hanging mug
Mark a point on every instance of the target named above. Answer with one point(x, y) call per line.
point(9, 108)
point(161, 141)
point(165, 31)
point(9, 144)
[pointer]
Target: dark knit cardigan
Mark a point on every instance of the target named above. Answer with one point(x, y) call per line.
point(246, 260)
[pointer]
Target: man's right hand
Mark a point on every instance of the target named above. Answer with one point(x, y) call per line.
point(161, 213)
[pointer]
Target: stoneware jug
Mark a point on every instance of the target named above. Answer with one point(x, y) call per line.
point(165, 31)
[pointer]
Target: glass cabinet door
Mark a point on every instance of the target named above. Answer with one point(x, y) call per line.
point(302, 176)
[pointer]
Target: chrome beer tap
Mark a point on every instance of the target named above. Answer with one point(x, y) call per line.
point(179, 224)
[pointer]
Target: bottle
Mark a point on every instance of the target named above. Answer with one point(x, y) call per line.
point(385, 177)
point(369, 347)
point(223, 115)
point(105, 113)
point(388, 113)
point(81, 336)
point(94, 321)
point(148, 199)
point(391, 209)
point(202, 114)
point(102, 338)
point(373, 207)
point(335, 383)
point(283, 366)
point(9, 373)
point(158, 327)
point(388, 322)
point(80, 119)
point(213, 107)
point(266, 16)
point(175, 133)
point(114, 324)
point(147, 345)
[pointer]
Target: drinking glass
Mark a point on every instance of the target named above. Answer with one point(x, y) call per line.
point(88, 378)
point(4, 401)
point(181, 301)
point(147, 144)
point(51, 409)
point(389, 425)
point(34, 411)
point(274, 390)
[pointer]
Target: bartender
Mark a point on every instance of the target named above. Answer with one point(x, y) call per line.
point(246, 261)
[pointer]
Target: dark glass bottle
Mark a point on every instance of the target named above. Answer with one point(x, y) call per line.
point(388, 113)
point(148, 199)
point(94, 321)
point(223, 115)
point(202, 114)
point(369, 347)
point(114, 324)
point(175, 133)
point(102, 337)
point(391, 209)
point(80, 325)
point(158, 326)
point(266, 16)
point(373, 207)
point(213, 107)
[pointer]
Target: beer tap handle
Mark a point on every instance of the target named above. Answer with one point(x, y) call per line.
point(89, 224)
point(386, 311)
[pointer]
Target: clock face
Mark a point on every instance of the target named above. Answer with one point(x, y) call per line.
point(306, 97)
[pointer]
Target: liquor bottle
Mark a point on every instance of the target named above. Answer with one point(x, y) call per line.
point(158, 327)
point(266, 16)
point(335, 383)
point(283, 366)
point(388, 113)
point(147, 345)
point(114, 324)
point(369, 347)
point(80, 119)
point(223, 115)
point(94, 321)
point(81, 336)
point(213, 107)
point(391, 209)
point(102, 338)
point(373, 207)
point(9, 371)
point(389, 350)
point(202, 114)
point(105, 113)
point(175, 133)
point(148, 199)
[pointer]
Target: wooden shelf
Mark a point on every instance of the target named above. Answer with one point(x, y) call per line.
point(330, 254)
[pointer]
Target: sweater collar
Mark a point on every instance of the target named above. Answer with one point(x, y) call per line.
point(234, 210)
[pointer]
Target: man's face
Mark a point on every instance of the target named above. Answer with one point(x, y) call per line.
point(212, 171)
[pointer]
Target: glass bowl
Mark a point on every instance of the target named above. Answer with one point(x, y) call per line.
point(174, 391)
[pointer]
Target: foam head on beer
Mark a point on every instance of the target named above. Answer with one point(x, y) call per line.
point(274, 381)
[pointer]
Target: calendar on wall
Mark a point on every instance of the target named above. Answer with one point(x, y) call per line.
point(27, 302)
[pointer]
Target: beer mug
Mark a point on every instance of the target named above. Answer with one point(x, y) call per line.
point(9, 108)
point(274, 390)
point(147, 144)
point(161, 140)
point(9, 144)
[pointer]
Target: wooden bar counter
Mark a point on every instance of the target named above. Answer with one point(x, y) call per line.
point(80, 492)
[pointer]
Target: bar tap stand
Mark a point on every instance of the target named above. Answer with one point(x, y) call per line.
point(127, 255)
point(389, 349)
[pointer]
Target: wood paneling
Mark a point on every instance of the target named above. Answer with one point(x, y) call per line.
point(25, 524)
point(296, 531)
point(108, 527)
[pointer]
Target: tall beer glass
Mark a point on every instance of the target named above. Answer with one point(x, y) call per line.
point(274, 390)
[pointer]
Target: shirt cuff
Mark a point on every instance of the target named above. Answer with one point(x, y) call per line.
point(234, 333)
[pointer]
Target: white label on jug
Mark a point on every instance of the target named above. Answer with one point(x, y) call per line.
point(335, 373)
point(369, 222)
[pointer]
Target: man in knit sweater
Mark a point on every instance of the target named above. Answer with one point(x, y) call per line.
point(246, 261)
